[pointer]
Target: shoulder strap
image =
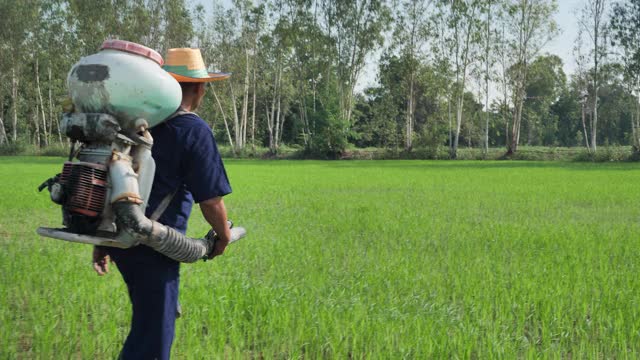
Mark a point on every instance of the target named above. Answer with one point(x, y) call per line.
point(163, 206)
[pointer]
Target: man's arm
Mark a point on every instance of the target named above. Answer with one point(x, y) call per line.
point(215, 213)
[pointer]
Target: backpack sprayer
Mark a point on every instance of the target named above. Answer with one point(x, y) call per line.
point(118, 94)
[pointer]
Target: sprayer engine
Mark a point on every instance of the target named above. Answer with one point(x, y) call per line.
point(83, 194)
point(118, 95)
point(81, 189)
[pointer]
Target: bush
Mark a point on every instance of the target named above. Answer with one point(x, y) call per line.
point(24, 148)
point(60, 150)
point(427, 153)
point(13, 148)
point(299, 152)
point(607, 154)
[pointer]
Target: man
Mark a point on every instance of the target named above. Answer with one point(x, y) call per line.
point(188, 165)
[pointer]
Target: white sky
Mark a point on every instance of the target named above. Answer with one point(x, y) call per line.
point(567, 19)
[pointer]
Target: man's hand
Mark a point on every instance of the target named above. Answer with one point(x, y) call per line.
point(218, 247)
point(100, 260)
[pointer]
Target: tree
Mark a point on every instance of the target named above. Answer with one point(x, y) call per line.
point(593, 23)
point(356, 29)
point(503, 105)
point(491, 41)
point(232, 46)
point(566, 111)
point(625, 27)
point(581, 81)
point(410, 35)
point(530, 26)
point(309, 54)
point(461, 44)
point(296, 63)
point(617, 102)
point(546, 81)
point(19, 18)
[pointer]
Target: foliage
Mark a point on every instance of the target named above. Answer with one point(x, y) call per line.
point(625, 26)
point(297, 64)
point(546, 80)
point(13, 148)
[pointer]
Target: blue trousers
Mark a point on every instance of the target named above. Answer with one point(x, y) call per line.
point(152, 280)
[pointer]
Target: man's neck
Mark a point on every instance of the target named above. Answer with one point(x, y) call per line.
point(187, 105)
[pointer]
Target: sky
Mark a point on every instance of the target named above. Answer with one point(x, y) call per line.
point(562, 45)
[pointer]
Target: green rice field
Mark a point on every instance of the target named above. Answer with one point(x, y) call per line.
point(357, 260)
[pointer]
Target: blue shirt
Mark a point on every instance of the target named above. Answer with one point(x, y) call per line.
point(187, 160)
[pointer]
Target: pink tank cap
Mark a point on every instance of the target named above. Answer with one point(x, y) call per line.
point(133, 48)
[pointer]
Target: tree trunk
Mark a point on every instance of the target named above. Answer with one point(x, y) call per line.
point(637, 126)
point(245, 100)
point(302, 105)
point(598, 11)
point(450, 126)
point(36, 123)
point(51, 108)
point(637, 147)
point(459, 108)
point(529, 131)
point(271, 116)
point(469, 140)
point(520, 96)
point(520, 76)
point(349, 106)
point(634, 138)
point(506, 129)
point(486, 79)
point(281, 129)
point(486, 129)
point(515, 130)
point(3, 132)
point(45, 136)
point(409, 121)
point(584, 128)
point(270, 128)
point(236, 121)
point(224, 118)
point(14, 102)
point(594, 122)
point(505, 92)
point(306, 132)
point(277, 123)
point(253, 114)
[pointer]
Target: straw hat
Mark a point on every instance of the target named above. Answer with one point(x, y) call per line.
point(186, 65)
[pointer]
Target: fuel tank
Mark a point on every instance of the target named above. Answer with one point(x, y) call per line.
point(126, 80)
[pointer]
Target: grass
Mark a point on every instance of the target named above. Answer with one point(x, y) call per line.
point(357, 259)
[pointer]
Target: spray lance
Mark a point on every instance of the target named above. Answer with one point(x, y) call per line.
point(118, 94)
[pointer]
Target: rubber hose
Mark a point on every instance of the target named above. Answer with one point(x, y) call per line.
point(161, 238)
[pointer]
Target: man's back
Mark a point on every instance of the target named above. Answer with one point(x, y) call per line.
point(188, 164)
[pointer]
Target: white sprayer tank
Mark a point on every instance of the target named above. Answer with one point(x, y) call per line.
point(125, 80)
